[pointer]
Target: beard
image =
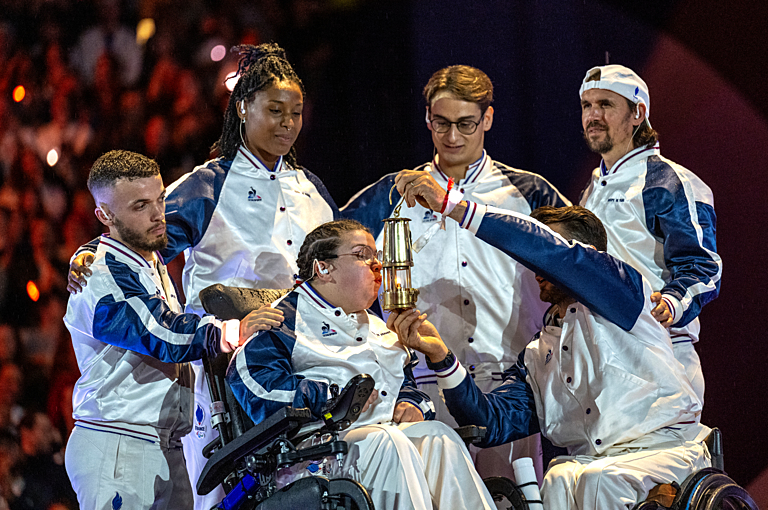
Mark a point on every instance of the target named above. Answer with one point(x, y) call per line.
point(551, 294)
point(143, 241)
point(600, 147)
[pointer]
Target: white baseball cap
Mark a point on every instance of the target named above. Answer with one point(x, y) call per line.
point(621, 80)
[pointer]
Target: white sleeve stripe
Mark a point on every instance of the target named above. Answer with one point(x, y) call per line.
point(256, 388)
point(164, 334)
point(146, 317)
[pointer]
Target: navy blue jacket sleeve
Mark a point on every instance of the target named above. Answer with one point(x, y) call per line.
point(410, 393)
point(262, 377)
point(129, 317)
point(604, 284)
point(90, 246)
point(508, 412)
point(693, 264)
point(536, 190)
point(371, 205)
point(190, 206)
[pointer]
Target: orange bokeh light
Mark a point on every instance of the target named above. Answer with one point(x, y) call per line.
point(32, 291)
point(18, 93)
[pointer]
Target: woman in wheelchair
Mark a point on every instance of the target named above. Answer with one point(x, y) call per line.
point(404, 459)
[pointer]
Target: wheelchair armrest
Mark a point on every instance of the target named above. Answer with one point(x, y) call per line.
point(236, 302)
point(220, 465)
point(471, 434)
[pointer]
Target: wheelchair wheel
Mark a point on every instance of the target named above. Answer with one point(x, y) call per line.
point(347, 494)
point(505, 493)
point(711, 489)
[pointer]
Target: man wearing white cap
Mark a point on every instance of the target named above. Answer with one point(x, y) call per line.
point(659, 216)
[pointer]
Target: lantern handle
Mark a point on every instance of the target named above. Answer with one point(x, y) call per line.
point(396, 212)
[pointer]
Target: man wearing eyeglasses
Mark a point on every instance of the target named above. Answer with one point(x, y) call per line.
point(455, 274)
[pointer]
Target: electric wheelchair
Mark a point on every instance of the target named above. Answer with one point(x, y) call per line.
point(245, 457)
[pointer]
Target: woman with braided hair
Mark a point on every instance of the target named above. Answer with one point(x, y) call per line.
point(240, 218)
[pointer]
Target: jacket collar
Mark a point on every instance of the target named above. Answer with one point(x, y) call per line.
point(631, 156)
point(247, 161)
point(125, 253)
point(473, 172)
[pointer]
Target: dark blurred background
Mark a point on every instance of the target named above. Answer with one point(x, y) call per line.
point(79, 78)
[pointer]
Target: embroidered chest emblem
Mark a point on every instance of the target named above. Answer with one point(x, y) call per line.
point(327, 330)
point(253, 196)
point(200, 427)
point(429, 217)
point(549, 357)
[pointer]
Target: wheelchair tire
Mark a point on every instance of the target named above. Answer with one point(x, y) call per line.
point(501, 487)
point(347, 494)
point(711, 489)
point(730, 496)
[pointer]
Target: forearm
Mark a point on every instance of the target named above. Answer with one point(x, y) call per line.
point(507, 413)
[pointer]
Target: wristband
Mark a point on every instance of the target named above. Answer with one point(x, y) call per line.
point(447, 193)
point(452, 199)
point(442, 365)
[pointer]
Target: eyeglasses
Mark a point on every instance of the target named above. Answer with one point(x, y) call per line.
point(366, 254)
point(465, 127)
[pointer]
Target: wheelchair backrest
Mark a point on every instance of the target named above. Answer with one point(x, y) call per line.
point(231, 303)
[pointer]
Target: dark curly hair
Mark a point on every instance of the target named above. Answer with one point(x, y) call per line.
point(259, 68)
point(119, 164)
point(322, 243)
point(581, 224)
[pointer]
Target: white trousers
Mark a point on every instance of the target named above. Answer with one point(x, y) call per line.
point(496, 461)
point(686, 354)
point(619, 481)
point(407, 466)
point(112, 472)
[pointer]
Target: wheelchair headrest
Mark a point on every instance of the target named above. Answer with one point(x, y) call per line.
point(236, 302)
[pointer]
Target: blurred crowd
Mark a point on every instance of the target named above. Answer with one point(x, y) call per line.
point(79, 78)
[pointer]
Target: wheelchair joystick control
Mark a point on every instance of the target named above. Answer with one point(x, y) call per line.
point(341, 411)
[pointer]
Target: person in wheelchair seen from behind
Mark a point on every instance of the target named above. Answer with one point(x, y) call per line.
point(600, 378)
point(403, 458)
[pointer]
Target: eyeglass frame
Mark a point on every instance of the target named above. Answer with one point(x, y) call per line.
point(458, 122)
point(375, 255)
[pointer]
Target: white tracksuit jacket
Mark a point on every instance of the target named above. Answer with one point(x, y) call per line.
point(132, 341)
point(660, 218)
point(455, 271)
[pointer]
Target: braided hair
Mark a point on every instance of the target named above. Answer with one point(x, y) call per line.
point(259, 68)
point(322, 243)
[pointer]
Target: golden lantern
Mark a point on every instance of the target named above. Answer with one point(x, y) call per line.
point(397, 260)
